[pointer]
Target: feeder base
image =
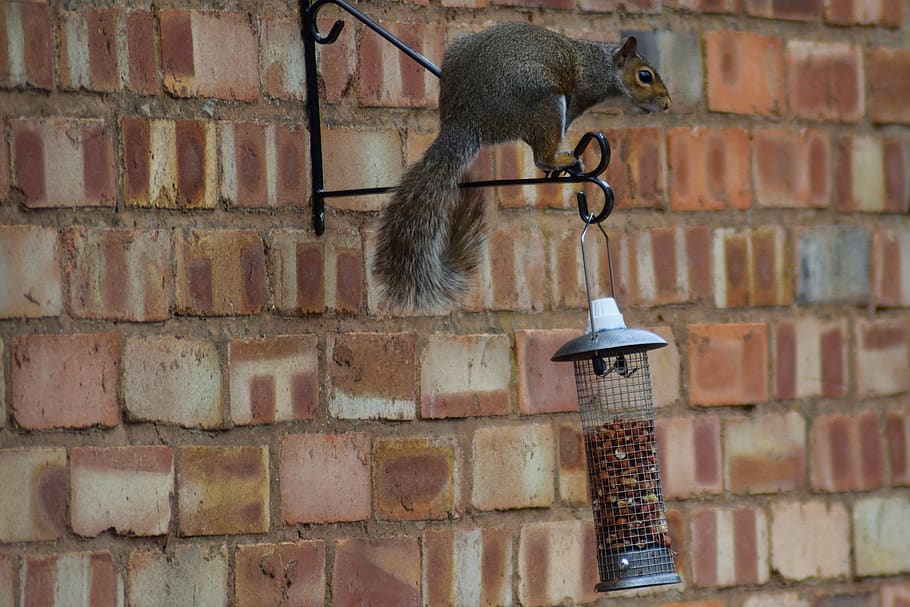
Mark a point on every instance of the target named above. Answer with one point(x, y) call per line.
point(636, 569)
point(638, 582)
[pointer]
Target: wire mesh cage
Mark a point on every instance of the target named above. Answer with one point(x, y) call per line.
point(617, 416)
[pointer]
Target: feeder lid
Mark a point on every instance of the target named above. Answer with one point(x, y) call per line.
point(609, 342)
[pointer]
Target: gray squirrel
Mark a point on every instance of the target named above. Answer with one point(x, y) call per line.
point(513, 81)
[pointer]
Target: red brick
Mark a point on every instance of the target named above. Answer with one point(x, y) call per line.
point(186, 574)
point(889, 82)
point(193, 57)
point(65, 381)
point(465, 375)
point(516, 161)
point(709, 168)
point(143, 63)
point(791, 168)
point(637, 169)
point(632, 6)
point(417, 478)
point(777, 599)
point(880, 542)
point(867, 599)
point(729, 547)
point(361, 158)
point(890, 273)
point(223, 490)
point(4, 148)
point(706, 6)
point(799, 10)
point(728, 364)
point(664, 365)
point(513, 467)
point(37, 44)
point(467, 567)
point(297, 263)
point(172, 380)
point(871, 175)
point(671, 265)
point(325, 478)
point(292, 168)
point(897, 436)
point(765, 453)
point(220, 272)
point(337, 62)
point(270, 574)
point(390, 78)
point(274, 379)
point(895, 595)
point(515, 281)
point(118, 274)
point(825, 80)
point(169, 164)
point(127, 489)
point(281, 59)
point(30, 266)
point(361, 389)
point(744, 73)
point(752, 268)
point(63, 162)
point(544, 386)
point(567, 286)
point(689, 455)
point(8, 564)
point(87, 578)
point(556, 561)
point(573, 471)
point(33, 503)
point(102, 26)
point(810, 358)
point(882, 357)
point(810, 539)
point(377, 571)
point(887, 13)
point(847, 453)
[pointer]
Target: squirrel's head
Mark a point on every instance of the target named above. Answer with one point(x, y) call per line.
point(645, 86)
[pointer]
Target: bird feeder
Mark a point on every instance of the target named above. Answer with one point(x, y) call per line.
point(617, 418)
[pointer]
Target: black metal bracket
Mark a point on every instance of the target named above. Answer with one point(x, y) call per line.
point(312, 36)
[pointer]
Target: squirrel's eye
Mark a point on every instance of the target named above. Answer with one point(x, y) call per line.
point(645, 77)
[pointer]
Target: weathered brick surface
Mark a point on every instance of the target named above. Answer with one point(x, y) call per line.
point(729, 547)
point(417, 478)
point(890, 268)
point(791, 168)
point(29, 52)
point(325, 478)
point(544, 386)
point(709, 168)
point(513, 467)
point(810, 539)
point(689, 453)
point(269, 574)
point(889, 78)
point(752, 268)
point(128, 489)
point(810, 358)
point(825, 80)
point(466, 567)
point(554, 563)
point(833, 264)
point(871, 175)
point(33, 505)
point(377, 571)
point(65, 381)
point(728, 364)
point(463, 376)
point(223, 490)
point(573, 469)
point(190, 573)
point(30, 266)
point(881, 539)
point(897, 437)
point(745, 72)
point(171, 380)
point(882, 357)
point(847, 453)
point(765, 454)
point(74, 578)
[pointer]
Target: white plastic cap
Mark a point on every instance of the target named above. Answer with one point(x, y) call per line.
point(606, 314)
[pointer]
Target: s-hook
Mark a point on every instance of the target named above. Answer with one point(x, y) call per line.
point(312, 36)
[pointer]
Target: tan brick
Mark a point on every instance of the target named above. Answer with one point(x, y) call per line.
point(573, 471)
point(728, 364)
point(172, 380)
point(193, 54)
point(33, 503)
point(776, 599)
point(30, 266)
point(544, 386)
point(76, 578)
point(65, 381)
point(388, 79)
point(361, 389)
point(361, 158)
point(810, 539)
point(325, 478)
point(223, 490)
point(377, 570)
point(8, 578)
point(465, 375)
point(281, 59)
point(671, 265)
point(269, 574)
point(514, 261)
point(664, 364)
point(871, 174)
point(882, 357)
point(810, 358)
point(417, 478)
point(881, 538)
point(847, 453)
point(729, 547)
point(765, 453)
point(32, 50)
point(895, 595)
point(274, 379)
point(689, 454)
point(467, 567)
point(795, 10)
point(125, 488)
point(189, 574)
point(556, 560)
point(513, 467)
point(752, 267)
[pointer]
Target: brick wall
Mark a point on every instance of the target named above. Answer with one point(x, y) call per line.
point(202, 402)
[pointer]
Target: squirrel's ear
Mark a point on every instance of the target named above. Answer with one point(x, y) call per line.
point(627, 49)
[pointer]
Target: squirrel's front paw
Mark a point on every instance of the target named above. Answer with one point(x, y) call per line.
point(563, 162)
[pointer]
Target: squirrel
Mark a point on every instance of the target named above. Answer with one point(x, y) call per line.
point(514, 81)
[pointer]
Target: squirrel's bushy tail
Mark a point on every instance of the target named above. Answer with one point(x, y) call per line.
point(431, 234)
